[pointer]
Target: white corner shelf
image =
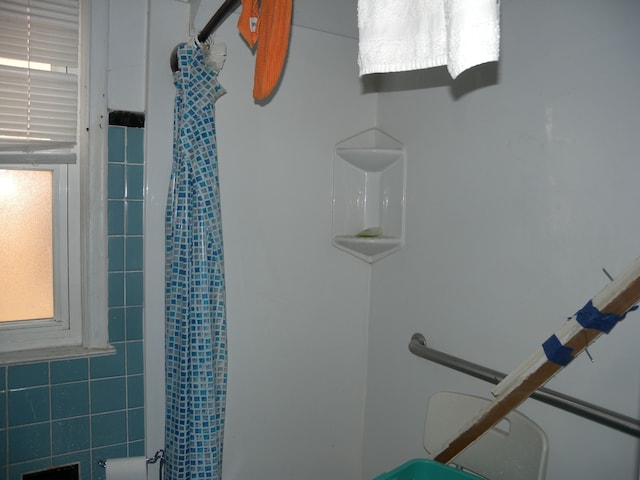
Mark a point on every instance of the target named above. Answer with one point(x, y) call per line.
point(369, 180)
point(369, 160)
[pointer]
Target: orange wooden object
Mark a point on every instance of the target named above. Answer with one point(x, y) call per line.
point(617, 298)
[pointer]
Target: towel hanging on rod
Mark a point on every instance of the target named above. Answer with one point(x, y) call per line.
point(265, 26)
point(269, 25)
point(402, 35)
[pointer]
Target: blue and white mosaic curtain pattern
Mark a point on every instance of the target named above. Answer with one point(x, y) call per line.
point(196, 345)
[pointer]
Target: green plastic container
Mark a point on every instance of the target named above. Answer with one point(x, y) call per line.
point(422, 469)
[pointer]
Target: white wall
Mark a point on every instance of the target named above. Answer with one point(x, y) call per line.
point(127, 62)
point(297, 307)
point(518, 194)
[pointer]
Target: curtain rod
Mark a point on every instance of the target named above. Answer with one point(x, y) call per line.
point(617, 421)
point(220, 16)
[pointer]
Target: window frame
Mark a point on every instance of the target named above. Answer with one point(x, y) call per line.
point(59, 327)
point(86, 190)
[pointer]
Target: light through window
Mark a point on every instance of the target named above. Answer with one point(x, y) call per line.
point(26, 239)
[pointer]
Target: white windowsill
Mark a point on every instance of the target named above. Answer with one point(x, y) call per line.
point(58, 353)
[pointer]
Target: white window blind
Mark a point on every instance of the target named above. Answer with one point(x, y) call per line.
point(39, 51)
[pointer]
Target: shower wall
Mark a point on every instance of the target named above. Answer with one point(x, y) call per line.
point(297, 308)
point(518, 194)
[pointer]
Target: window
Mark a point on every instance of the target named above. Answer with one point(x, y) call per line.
point(26, 243)
point(52, 245)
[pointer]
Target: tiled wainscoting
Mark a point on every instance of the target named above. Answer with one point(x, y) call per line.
point(86, 409)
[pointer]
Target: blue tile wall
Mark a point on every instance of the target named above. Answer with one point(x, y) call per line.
point(86, 409)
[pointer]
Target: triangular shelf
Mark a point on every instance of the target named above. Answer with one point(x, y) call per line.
point(369, 180)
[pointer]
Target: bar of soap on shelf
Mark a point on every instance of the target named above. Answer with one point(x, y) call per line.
point(370, 232)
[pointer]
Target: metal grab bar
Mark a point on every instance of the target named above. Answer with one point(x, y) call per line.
point(617, 421)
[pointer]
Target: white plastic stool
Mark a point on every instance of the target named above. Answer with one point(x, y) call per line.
point(515, 449)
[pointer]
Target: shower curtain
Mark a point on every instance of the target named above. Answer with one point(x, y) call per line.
point(196, 356)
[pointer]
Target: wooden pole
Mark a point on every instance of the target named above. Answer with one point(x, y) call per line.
point(616, 298)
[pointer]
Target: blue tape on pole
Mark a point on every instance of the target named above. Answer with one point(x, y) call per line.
point(590, 317)
point(556, 352)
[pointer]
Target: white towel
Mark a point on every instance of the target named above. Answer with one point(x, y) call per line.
point(401, 35)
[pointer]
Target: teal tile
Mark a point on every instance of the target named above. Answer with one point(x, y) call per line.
point(3, 378)
point(3, 406)
point(17, 470)
point(134, 253)
point(135, 288)
point(116, 144)
point(108, 395)
point(108, 429)
point(105, 453)
point(29, 443)
point(111, 451)
point(134, 182)
point(135, 425)
point(30, 375)
point(115, 217)
point(135, 358)
point(116, 254)
point(115, 181)
point(135, 145)
point(28, 405)
point(136, 449)
point(112, 365)
point(69, 400)
point(83, 458)
point(3, 448)
point(70, 435)
point(99, 473)
point(116, 289)
point(116, 324)
point(135, 217)
point(135, 391)
point(75, 370)
point(134, 323)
